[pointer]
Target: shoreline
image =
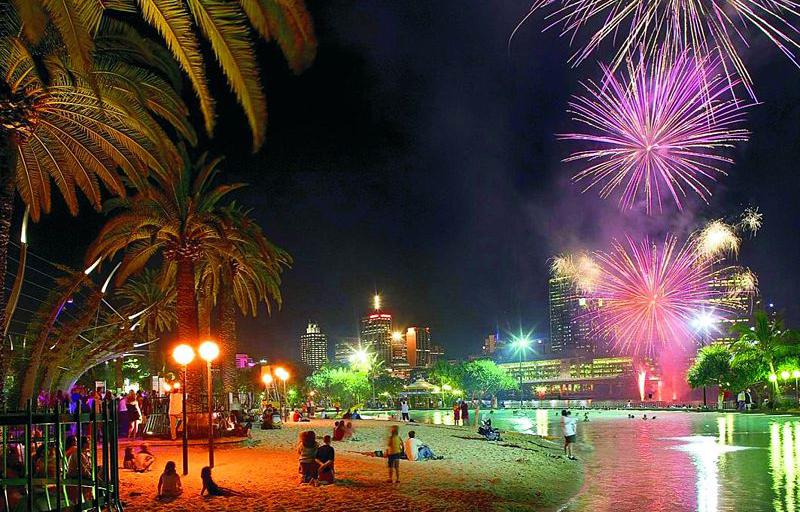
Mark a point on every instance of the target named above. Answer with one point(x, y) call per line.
point(522, 472)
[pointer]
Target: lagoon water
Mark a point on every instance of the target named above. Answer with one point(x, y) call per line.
point(681, 461)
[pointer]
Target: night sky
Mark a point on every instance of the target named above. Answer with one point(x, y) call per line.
point(418, 158)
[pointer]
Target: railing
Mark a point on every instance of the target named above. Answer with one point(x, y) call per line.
point(53, 460)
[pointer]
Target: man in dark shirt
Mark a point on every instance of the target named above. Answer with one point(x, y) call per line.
point(325, 455)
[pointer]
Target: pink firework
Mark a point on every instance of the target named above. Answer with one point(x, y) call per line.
point(701, 26)
point(650, 294)
point(657, 130)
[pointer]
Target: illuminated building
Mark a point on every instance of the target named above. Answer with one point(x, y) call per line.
point(490, 344)
point(437, 354)
point(344, 348)
point(571, 323)
point(418, 347)
point(376, 332)
point(738, 296)
point(313, 347)
point(578, 377)
point(399, 351)
point(244, 361)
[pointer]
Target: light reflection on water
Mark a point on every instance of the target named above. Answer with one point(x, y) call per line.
point(707, 462)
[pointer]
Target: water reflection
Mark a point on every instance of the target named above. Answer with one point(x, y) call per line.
point(784, 454)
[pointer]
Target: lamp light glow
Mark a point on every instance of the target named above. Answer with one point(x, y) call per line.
point(208, 350)
point(183, 354)
point(266, 379)
point(281, 373)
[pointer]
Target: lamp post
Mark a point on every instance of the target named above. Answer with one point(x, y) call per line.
point(208, 352)
point(267, 380)
point(282, 374)
point(183, 354)
point(796, 375)
point(521, 344)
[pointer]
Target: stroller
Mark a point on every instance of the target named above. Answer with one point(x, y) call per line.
point(489, 432)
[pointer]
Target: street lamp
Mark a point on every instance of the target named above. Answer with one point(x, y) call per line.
point(208, 352)
point(796, 375)
point(183, 354)
point(267, 380)
point(282, 374)
point(521, 344)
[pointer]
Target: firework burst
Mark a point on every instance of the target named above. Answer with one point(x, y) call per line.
point(715, 240)
point(651, 294)
point(751, 220)
point(657, 130)
point(580, 268)
point(701, 26)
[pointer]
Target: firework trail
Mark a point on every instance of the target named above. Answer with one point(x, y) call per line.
point(702, 26)
point(580, 268)
point(657, 130)
point(651, 293)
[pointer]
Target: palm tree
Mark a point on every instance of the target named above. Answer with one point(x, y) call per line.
point(767, 339)
point(178, 217)
point(244, 275)
point(150, 304)
point(225, 24)
point(57, 131)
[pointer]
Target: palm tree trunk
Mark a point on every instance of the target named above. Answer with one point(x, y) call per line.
point(186, 309)
point(7, 164)
point(227, 341)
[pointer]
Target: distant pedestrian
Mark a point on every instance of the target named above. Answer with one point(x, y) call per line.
point(175, 412)
point(404, 410)
point(456, 413)
point(464, 412)
point(394, 450)
point(740, 399)
point(748, 400)
point(569, 427)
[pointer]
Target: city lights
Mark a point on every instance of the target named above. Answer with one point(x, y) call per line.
point(208, 350)
point(376, 302)
point(266, 379)
point(183, 354)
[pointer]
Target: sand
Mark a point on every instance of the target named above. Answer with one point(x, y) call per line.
point(521, 473)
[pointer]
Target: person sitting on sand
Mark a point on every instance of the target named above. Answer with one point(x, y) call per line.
point(210, 486)
point(307, 451)
point(325, 456)
point(348, 415)
point(338, 431)
point(349, 432)
point(169, 483)
point(127, 460)
point(394, 450)
point(296, 416)
point(144, 459)
point(415, 450)
point(355, 415)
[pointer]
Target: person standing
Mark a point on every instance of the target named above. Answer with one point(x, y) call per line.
point(464, 413)
point(748, 400)
point(456, 413)
point(394, 450)
point(404, 410)
point(134, 414)
point(175, 412)
point(740, 401)
point(569, 427)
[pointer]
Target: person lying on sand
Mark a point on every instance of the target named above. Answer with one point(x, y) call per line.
point(210, 486)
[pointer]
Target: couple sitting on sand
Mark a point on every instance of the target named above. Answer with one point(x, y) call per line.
point(343, 431)
point(316, 462)
point(169, 484)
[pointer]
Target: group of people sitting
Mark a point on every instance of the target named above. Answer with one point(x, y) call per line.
point(169, 484)
point(140, 461)
point(344, 431)
point(316, 462)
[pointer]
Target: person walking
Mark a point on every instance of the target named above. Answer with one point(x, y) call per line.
point(569, 428)
point(175, 412)
point(394, 450)
point(740, 401)
point(404, 410)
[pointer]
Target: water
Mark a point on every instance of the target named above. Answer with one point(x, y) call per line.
point(708, 462)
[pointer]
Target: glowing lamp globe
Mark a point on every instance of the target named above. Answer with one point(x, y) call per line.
point(183, 354)
point(773, 377)
point(784, 375)
point(282, 373)
point(267, 379)
point(796, 374)
point(209, 350)
point(397, 336)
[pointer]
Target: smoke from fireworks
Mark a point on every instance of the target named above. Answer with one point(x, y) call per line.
point(702, 26)
point(717, 239)
point(751, 220)
point(651, 293)
point(657, 130)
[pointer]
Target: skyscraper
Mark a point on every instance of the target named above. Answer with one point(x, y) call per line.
point(399, 350)
point(313, 346)
point(571, 319)
point(437, 354)
point(344, 348)
point(736, 294)
point(418, 346)
point(490, 344)
point(376, 332)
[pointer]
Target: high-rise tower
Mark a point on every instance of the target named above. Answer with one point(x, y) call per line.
point(313, 346)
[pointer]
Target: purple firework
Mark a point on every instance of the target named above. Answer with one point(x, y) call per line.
point(656, 130)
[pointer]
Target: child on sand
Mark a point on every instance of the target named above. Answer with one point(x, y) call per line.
point(456, 413)
point(325, 456)
point(394, 450)
point(169, 483)
point(307, 451)
point(210, 486)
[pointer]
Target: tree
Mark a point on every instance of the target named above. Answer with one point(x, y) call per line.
point(340, 384)
point(242, 277)
point(483, 377)
point(711, 367)
point(765, 343)
point(54, 127)
point(444, 373)
point(179, 217)
point(225, 24)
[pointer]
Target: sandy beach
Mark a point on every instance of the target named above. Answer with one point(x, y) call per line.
point(520, 473)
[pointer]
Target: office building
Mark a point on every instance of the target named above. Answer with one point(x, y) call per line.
point(399, 350)
point(376, 332)
point(418, 346)
point(491, 344)
point(344, 348)
point(437, 354)
point(313, 347)
point(735, 291)
point(572, 319)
